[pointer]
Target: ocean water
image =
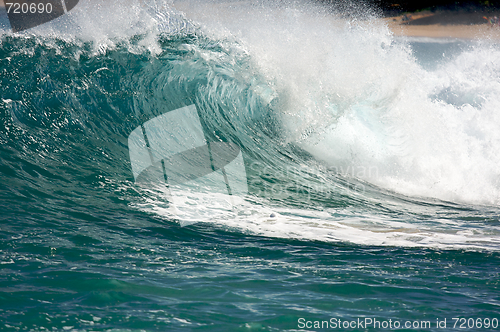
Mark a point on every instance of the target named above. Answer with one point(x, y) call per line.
point(371, 163)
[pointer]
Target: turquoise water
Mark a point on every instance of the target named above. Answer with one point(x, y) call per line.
point(371, 163)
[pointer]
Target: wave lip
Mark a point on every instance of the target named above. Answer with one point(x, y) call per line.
point(359, 104)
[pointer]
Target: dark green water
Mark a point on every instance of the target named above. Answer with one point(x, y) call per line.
point(84, 248)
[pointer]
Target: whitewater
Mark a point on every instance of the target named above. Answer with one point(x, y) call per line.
point(360, 174)
point(377, 123)
point(366, 109)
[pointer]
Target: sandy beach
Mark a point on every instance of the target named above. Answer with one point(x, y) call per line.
point(441, 24)
point(445, 25)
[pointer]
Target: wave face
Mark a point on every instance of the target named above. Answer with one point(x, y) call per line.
point(357, 146)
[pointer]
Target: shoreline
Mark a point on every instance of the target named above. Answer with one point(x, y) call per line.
point(444, 25)
point(440, 25)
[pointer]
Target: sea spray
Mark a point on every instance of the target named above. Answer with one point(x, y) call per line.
point(356, 97)
point(332, 133)
point(318, 236)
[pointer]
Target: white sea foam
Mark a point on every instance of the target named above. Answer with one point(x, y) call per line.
point(354, 97)
point(351, 224)
point(357, 99)
point(104, 23)
point(439, 136)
